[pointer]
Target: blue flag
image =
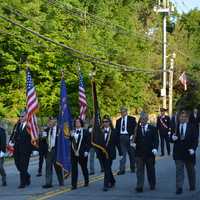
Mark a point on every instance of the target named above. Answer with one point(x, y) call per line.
point(64, 125)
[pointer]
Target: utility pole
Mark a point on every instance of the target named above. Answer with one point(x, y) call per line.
point(171, 74)
point(163, 8)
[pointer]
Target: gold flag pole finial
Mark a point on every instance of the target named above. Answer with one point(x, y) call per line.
point(62, 73)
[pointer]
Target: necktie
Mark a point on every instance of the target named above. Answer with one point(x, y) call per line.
point(123, 124)
point(143, 130)
point(182, 132)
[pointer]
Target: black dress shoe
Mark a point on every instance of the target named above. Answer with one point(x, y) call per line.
point(73, 188)
point(4, 184)
point(139, 190)
point(105, 189)
point(47, 186)
point(91, 173)
point(132, 170)
point(179, 191)
point(39, 174)
point(152, 187)
point(61, 184)
point(120, 172)
point(192, 188)
point(102, 170)
point(162, 154)
point(21, 186)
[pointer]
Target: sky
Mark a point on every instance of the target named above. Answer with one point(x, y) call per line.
point(186, 5)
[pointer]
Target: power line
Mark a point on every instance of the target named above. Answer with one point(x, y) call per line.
point(123, 29)
point(80, 13)
point(89, 57)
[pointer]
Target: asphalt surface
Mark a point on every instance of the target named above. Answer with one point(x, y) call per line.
point(125, 184)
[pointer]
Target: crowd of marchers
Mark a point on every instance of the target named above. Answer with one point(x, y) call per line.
point(140, 140)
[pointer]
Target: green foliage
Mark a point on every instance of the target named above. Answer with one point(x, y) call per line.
point(91, 27)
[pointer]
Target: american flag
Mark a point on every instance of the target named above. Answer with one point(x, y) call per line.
point(82, 98)
point(183, 80)
point(31, 106)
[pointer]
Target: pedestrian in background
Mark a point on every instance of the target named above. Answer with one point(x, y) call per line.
point(2, 154)
point(164, 130)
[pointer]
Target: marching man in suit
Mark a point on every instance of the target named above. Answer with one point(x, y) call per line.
point(125, 127)
point(51, 146)
point(21, 140)
point(185, 139)
point(146, 142)
point(195, 118)
point(164, 129)
point(112, 142)
point(2, 154)
point(80, 148)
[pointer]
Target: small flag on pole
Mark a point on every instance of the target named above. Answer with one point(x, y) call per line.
point(183, 80)
point(82, 98)
point(32, 107)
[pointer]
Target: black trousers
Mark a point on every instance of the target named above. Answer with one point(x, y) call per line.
point(149, 163)
point(50, 163)
point(42, 155)
point(164, 138)
point(22, 163)
point(108, 175)
point(83, 163)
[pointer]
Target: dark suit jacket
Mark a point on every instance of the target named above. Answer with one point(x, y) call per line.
point(162, 129)
point(174, 122)
point(145, 144)
point(131, 125)
point(2, 140)
point(181, 147)
point(22, 140)
point(85, 143)
point(112, 144)
point(194, 120)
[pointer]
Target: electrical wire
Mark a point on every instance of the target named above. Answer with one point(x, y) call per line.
point(89, 57)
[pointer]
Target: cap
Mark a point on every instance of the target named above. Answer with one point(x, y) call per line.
point(52, 118)
point(123, 109)
point(106, 117)
point(143, 115)
point(163, 109)
point(22, 113)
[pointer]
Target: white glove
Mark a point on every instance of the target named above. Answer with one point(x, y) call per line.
point(72, 133)
point(131, 137)
point(90, 130)
point(86, 154)
point(174, 137)
point(191, 151)
point(44, 134)
point(155, 152)
point(2, 154)
point(169, 132)
point(120, 157)
point(133, 144)
point(11, 144)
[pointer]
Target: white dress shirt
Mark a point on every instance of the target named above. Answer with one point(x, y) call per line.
point(125, 120)
point(184, 125)
point(106, 131)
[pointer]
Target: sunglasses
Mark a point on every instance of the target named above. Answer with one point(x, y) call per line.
point(105, 121)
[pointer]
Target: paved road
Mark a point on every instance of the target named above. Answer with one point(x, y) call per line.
point(165, 189)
